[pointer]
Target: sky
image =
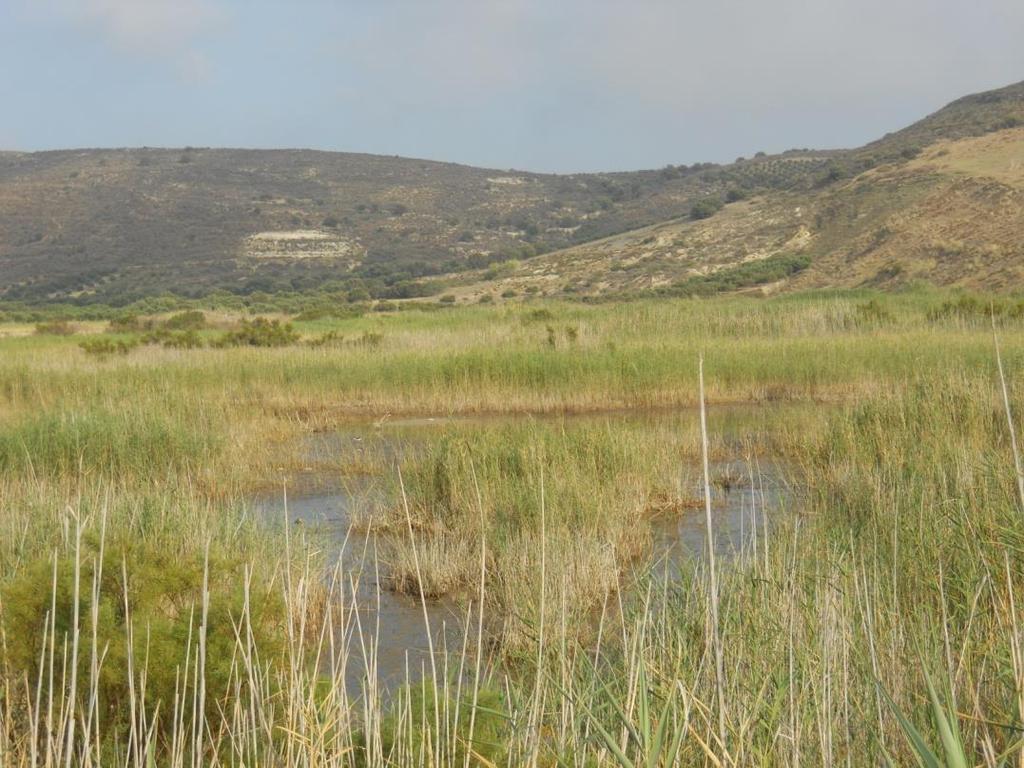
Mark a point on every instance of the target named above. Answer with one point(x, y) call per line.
point(541, 85)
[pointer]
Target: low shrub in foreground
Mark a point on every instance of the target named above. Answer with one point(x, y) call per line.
point(138, 608)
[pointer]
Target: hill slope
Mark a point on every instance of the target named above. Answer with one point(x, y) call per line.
point(111, 225)
point(947, 208)
point(940, 199)
point(952, 216)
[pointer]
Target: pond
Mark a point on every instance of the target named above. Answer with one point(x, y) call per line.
point(391, 644)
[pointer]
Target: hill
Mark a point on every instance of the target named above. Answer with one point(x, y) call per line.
point(946, 207)
point(938, 200)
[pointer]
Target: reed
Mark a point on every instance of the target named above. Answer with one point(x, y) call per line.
point(149, 617)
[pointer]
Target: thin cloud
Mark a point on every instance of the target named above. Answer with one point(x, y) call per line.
point(566, 85)
point(142, 26)
point(448, 50)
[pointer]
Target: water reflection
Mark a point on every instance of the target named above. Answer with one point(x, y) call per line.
point(391, 642)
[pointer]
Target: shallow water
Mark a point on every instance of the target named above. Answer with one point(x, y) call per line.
point(390, 637)
point(394, 626)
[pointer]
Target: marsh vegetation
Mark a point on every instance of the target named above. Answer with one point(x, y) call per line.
point(161, 605)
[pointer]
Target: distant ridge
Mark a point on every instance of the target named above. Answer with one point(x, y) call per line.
point(113, 226)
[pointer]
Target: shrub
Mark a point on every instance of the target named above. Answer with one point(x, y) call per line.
point(447, 299)
point(338, 312)
point(158, 593)
point(968, 307)
point(744, 275)
point(501, 269)
point(129, 324)
point(104, 347)
point(260, 332)
point(55, 328)
point(735, 194)
point(705, 208)
point(192, 320)
point(183, 340)
point(835, 172)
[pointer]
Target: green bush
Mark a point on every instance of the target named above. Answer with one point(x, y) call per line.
point(744, 275)
point(260, 332)
point(129, 324)
point(191, 320)
point(157, 594)
point(54, 328)
point(705, 208)
point(331, 311)
point(501, 269)
point(183, 340)
point(105, 347)
point(973, 308)
point(835, 172)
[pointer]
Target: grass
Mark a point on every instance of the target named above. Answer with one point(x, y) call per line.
point(148, 618)
point(500, 360)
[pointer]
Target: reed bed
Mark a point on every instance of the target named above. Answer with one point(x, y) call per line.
point(148, 619)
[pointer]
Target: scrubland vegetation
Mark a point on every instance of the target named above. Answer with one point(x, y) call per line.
point(148, 616)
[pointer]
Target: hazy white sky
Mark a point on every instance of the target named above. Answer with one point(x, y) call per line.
point(547, 85)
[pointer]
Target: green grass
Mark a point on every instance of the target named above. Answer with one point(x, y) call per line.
point(108, 442)
point(500, 359)
point(901, 551)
